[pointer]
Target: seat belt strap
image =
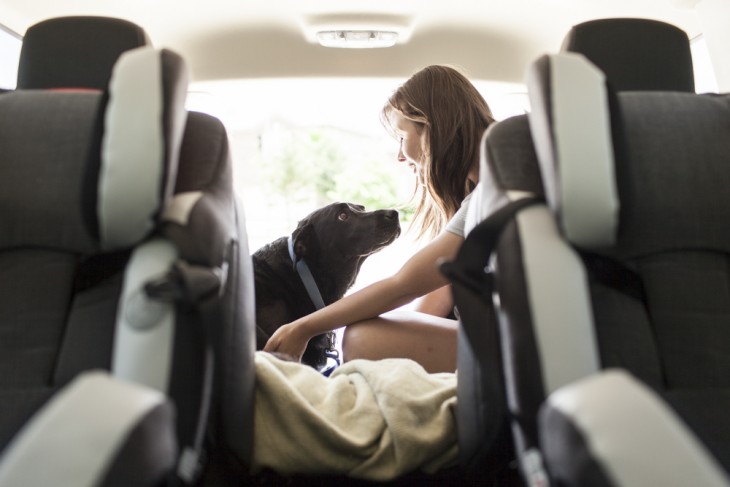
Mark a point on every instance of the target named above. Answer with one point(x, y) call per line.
point(472, 287)
point(194, 286)
point(612, 273)
point(471, 271)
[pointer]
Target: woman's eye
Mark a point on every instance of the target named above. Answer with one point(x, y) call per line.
point(342, 216)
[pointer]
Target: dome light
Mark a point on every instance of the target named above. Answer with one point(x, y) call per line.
point(357, 39)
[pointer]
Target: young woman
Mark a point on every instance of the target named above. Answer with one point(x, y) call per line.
point(439, 118)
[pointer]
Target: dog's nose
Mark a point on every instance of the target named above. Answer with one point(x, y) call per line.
point(390, 214)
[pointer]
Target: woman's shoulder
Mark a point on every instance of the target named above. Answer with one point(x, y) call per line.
point(457, 222)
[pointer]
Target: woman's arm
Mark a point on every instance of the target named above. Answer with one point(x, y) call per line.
point(418, 276)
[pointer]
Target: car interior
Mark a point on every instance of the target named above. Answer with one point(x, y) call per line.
point(592, 348)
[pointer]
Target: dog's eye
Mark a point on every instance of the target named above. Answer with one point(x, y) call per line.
point(343, 216)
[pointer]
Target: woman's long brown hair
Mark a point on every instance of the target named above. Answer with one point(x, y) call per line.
point(452, 116)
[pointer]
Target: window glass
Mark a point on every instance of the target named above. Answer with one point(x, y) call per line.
point(9, 54)
point(705, 81)
point(299, 144)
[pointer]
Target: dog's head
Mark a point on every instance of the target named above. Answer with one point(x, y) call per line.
point(344, 231)
point(334, 241)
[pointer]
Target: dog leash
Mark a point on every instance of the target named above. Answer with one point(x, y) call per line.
point(306, 276)
point(313, 291)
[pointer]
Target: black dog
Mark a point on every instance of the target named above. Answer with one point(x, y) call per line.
point(333, 241)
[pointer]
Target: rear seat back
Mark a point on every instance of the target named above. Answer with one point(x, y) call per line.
point(210, 282)
point(509, 170)
point(640, 211)
point(636, 54)
point(61, 254)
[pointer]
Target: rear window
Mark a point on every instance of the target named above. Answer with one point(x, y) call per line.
point(299, 144)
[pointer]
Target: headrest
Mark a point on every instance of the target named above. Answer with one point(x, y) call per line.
point(198, 218)
point(509, 156)
point(636, 54)
point(508, 168)
point(665, 156)
point(77, 52)
point(87, 171)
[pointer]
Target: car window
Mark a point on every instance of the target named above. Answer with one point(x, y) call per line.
point(705, 81)
point(10, 43)
point(299, 144)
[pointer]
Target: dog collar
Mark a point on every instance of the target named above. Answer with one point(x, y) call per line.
point(306, 276)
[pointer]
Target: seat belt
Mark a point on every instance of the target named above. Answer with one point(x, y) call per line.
point(193, 286)
point(470, 270)
point(472, 288)
point(613, 274)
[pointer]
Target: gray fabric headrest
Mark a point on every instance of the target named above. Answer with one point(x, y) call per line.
point(636, 54)
point(77, 52)
point(511, 156)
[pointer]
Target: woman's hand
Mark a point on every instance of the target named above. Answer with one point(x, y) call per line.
point(288, 340)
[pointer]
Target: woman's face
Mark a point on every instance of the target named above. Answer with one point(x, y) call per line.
point(411, 148)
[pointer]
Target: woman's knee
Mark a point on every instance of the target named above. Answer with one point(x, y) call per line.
point(356, 341)
point(429, 340)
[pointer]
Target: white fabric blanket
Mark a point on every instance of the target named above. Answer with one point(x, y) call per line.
point(374, 420)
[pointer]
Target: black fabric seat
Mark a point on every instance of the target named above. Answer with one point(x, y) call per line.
point(213, 289)
point(486, 450)
point(66, 300)
point(636, 55)
point(612, 297)
point(63, 246)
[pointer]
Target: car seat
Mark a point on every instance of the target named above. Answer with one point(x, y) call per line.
point(69, 218)
point(635, 54)
point(214, 235)
point(200, 234)
point(610, 296)
point(655, 276)
point(509, 171)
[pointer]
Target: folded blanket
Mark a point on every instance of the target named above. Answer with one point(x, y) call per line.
point(374, 420)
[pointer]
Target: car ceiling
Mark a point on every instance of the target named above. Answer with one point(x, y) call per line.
point(232, 39)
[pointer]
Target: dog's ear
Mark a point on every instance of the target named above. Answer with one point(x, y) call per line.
point(304, 240)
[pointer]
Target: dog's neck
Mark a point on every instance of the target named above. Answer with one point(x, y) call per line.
point(331, 289)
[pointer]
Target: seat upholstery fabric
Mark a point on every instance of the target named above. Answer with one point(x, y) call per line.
point(636, 54)
point(59, 288)
point(658, 290)
point(57, 53)
point(207, 227)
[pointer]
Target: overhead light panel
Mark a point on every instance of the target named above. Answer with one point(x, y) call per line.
point(357, 39)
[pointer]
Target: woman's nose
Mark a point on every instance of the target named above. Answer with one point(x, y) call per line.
point(401, 156)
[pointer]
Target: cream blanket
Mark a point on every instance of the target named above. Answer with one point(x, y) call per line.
point(371, 419)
